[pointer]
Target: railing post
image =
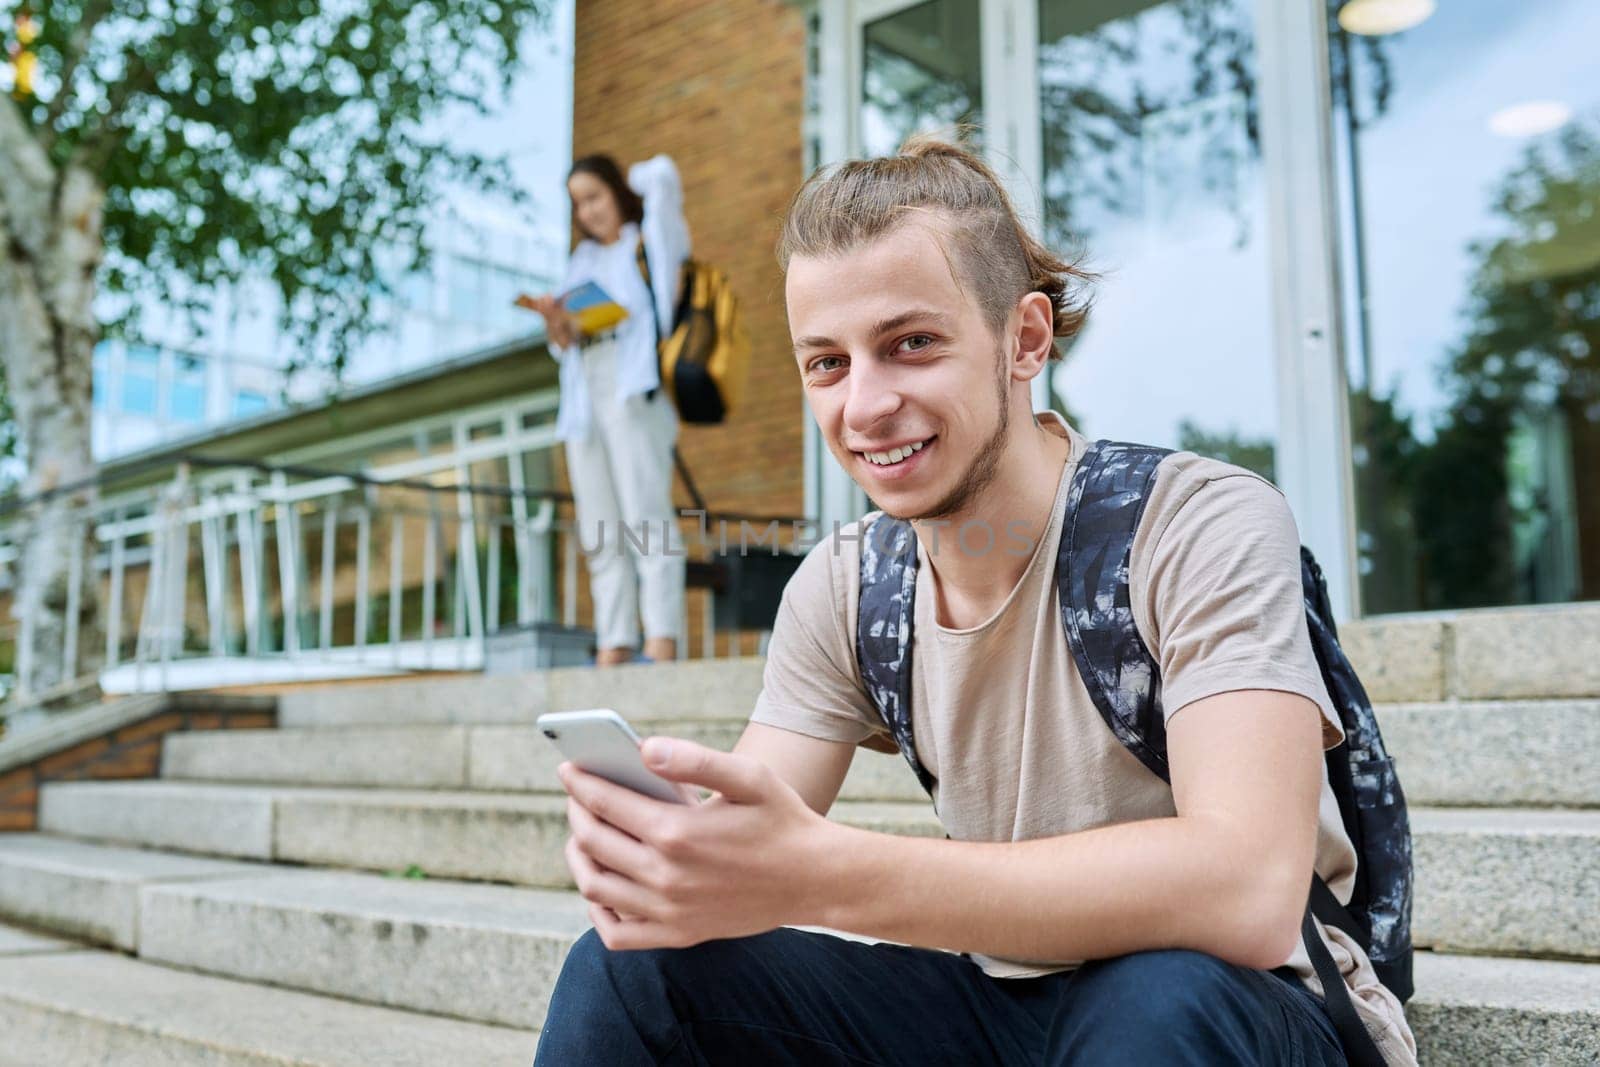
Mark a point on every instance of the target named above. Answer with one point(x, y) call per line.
point(69, 648)
point(118, 579)
point(540, 554)
point(430, 575)
point(288, 556)
point(175, 578)
point(252, 549)
point(396, 590)
point(467, 549)
point(330, 529)
point(363, 561)
point(213, 559)
point(519, 527)
point(491, 611)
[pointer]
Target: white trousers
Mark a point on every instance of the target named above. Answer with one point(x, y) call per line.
point(621, 477)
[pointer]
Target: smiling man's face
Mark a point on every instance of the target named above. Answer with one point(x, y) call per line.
point(907, 382)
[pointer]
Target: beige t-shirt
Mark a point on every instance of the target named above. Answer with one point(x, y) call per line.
point(1000, 716)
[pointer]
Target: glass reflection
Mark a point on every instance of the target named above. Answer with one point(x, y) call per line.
point(1151, 160)
point(1470, 171)
point(922, 72)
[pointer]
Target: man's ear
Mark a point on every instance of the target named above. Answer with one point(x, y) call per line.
point(1034, 336)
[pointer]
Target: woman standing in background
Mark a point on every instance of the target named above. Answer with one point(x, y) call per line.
point(616, 422)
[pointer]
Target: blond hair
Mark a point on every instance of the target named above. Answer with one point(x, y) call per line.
point(844, 206)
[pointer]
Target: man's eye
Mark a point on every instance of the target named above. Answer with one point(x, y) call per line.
point(827, 364)
point(916, 342)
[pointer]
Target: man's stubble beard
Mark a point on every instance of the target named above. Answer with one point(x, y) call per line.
point(980, 473)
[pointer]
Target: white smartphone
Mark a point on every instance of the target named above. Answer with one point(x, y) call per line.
point(601, 742)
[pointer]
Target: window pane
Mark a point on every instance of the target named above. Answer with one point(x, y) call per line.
point(466, 289)
point(1470, 172)
point(1152, 166)
point(187, 402)
point(247, 403)
point(140, 371)
point(100, 387)
point(922, 71)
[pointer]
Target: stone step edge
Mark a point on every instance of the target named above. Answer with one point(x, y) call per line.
point(338, 1018)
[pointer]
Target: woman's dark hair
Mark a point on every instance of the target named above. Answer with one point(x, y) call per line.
point(605, 168)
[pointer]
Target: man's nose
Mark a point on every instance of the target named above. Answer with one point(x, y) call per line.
point(874, 395)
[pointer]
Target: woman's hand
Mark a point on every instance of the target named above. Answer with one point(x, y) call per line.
point(559, 326)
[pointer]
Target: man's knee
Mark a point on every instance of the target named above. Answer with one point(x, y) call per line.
point(596, 976)
point(610, 1005)
point(646, 976)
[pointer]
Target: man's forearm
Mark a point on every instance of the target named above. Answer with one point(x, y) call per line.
point(1162, 883)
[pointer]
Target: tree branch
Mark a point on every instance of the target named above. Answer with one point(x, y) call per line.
point(22, 156)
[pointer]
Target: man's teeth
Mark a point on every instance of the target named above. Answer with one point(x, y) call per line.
point(883, 459)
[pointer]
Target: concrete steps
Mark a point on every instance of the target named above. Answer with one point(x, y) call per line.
point(1532, 653)
point(692, 689)
point(478, 757)
point(1471, 1011)
point(1506, 880)
point(489, 953)
point(63, 1005)
point(474, 835)
point(1481, 753)
point(240, 890)
point(1497, 753)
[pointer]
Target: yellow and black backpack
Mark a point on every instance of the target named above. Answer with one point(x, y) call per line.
point(704, 352)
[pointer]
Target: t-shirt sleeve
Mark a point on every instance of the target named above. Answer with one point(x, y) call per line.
point(811, 684)
point(1223, 598)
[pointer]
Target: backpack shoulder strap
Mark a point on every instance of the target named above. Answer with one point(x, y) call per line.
point(883, 629)
point(1104, 506)
point(643, 262)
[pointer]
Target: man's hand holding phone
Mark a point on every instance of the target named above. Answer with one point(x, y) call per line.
point(665, 874)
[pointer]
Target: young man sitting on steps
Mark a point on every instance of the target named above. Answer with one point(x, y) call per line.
point(921, 311)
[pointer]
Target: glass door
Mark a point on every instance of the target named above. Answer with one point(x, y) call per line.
point(1151, 165)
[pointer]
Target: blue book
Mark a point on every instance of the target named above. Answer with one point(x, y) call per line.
point(593, 307)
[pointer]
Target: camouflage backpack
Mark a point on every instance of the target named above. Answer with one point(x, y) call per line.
point(1103, 509)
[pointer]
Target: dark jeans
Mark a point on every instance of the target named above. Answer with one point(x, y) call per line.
point(797, 999)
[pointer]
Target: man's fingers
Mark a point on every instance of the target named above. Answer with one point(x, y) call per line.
point(738, 778)
point(633, 813)
point(604, 888)
point(606, 845)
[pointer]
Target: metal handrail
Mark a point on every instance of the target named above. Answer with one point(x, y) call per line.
point(238, 522)
point(11, 504)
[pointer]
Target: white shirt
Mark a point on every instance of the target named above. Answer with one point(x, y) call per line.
point(615, 269)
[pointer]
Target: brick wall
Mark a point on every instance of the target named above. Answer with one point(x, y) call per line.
point(132, 751)
point(719, 86)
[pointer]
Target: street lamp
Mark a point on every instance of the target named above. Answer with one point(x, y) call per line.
point(1374, 18)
